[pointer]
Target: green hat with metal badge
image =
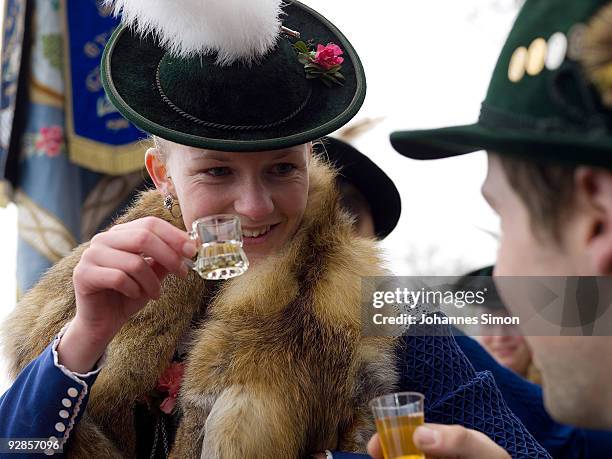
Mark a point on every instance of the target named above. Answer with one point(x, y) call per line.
point(234, 75)
point(550, 95)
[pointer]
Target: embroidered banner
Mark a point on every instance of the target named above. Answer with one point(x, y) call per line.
point(100, 138)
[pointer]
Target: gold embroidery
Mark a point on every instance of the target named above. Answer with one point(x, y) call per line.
point(42, 230)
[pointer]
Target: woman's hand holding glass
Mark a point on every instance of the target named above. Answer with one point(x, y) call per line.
point(120, 271)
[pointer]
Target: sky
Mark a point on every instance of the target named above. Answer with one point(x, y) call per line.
point(427, 65)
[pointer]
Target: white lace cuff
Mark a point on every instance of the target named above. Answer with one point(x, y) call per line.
point(76, 377)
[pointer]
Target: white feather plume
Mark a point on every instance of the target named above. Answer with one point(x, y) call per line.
point(237, 30)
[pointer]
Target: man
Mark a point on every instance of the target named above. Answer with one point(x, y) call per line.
point(371, 197)
point(546, 124)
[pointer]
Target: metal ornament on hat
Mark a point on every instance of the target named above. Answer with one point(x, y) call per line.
point(586, 50)
point(590, 44)
point(549, 54)
point(541, 54)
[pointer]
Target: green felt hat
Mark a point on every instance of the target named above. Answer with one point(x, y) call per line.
point(548, 94)
point(281, 98)
point(370, 180)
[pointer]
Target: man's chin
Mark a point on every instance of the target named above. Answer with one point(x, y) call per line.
point(577, 409)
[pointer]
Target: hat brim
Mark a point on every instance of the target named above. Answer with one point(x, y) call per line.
point(371, 181)
point(129, 67)
point(571, 147)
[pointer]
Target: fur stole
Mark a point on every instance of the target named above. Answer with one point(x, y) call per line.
point(277, 368)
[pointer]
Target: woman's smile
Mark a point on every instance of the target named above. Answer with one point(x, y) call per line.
point(256, 235)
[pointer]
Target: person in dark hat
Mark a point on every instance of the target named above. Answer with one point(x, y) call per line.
point(503, 341)
point(509, 348)
point(547, 127)
point(268, 364)
point(366, 192)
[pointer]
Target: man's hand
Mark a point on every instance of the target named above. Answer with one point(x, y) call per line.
point(448, 442)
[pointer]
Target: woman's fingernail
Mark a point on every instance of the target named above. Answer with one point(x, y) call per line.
point(424, 436)
point(189, 249)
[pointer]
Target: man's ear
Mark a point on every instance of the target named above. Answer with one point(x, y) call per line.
point(593, 188)
point(156, 168)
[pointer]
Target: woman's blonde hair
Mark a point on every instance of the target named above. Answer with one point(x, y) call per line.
point(162, 150)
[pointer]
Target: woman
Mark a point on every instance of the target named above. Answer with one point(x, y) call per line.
point(504, 343)
point(510, 350)
point(274, 361)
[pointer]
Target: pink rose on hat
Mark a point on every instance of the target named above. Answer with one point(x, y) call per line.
point(328, 56)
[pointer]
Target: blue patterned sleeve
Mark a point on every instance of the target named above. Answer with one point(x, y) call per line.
point(456, 394)
point(342, 455)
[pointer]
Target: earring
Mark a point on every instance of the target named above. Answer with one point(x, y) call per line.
point(170, 204)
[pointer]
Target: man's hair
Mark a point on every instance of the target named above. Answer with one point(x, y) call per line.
point(546, 188)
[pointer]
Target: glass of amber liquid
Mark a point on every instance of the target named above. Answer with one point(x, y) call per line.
point(397, 416)
point(220, 253)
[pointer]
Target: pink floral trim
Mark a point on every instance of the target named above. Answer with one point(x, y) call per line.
point(169, 383)
point(50, 140)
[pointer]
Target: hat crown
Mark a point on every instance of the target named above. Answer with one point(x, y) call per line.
point(538, 82)
point(242, 95)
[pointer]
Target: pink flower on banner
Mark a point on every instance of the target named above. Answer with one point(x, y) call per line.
point(50, 140)
point(328, 56)
point(170, 383)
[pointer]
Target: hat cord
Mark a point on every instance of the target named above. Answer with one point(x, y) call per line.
point(231, 127)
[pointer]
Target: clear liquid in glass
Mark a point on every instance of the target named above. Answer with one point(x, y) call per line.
point(221, 260)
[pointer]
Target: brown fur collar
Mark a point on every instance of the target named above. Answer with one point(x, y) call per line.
point(278, 367)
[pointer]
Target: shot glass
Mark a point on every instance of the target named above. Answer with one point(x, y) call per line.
point(397, 416)
point(220, 253)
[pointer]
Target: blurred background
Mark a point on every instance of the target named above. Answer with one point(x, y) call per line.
point(427, 64)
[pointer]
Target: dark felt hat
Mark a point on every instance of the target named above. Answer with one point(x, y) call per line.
point(266, 104)
point(547, 96)
point(480, 279)
point(370, 180)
